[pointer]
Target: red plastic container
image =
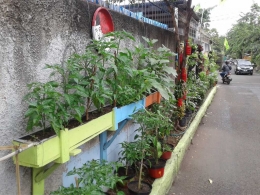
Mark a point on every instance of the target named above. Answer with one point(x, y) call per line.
point(188, 49)
point(156, 172)
point(166, 155)
point(180, 58)
point(179, 103)
point(184, 74)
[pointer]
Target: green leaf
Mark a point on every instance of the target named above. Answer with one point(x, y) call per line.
point(30, 111)
point(170, 70)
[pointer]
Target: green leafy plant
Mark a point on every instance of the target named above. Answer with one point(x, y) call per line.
point(105, 72)
point(129, 154)
point(168, 111)
point(157, 61)
point(45, 106)
point(92, 177)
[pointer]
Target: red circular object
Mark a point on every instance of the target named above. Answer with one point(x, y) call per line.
point(179, 103)
point(166, 155)
point(103, 17)
point(188, 50)
point(184, 74)
point(156, 172)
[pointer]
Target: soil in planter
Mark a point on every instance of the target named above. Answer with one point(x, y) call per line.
point(145, 178)
point(145, 189)
point(40, 135)
point(130, 172)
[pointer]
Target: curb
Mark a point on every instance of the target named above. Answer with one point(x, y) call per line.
point(162, 186)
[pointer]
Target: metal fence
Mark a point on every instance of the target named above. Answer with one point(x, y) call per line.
point(149, 11)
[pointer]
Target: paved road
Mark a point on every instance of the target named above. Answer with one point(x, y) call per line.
point(226, 146)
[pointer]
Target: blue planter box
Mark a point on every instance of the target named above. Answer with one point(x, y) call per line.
point(124, 112)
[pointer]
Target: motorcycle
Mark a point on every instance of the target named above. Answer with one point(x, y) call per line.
point(227, 78)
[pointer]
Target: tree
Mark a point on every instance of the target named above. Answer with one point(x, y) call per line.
point(204, 15)
point(244, 36)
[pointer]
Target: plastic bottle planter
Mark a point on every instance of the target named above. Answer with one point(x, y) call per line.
point(179, 103)
point(188, 49)
point(153, 98)
point(59, 148)
point(184, 74)
point(124, 112)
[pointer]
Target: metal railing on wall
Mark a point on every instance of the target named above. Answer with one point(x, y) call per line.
point(149, 11)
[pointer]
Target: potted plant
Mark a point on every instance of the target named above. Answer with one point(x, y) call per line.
point(142, 150)
point(92, 178)
point(151, 122)
point(128, 157)
point(168, 110)
point(61, 106)
point(136, 73)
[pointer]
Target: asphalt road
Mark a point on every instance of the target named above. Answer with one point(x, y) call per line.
point(224, 157)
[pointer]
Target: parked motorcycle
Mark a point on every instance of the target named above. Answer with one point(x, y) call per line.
point(227, 78)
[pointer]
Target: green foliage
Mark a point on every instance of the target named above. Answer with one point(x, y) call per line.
point(92, 177)
point(105, 72)
point(129, 154)
point(244, 36)
point(203, 76)
point(45, 105)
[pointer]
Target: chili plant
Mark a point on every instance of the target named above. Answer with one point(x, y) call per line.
point(45, 106)
point(128, 154)
point(157, 62)
point(93, 176)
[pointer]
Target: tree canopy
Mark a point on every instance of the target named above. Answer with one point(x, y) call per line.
point(244, 37)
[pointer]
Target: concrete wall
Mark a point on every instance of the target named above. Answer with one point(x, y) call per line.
point(38, 32)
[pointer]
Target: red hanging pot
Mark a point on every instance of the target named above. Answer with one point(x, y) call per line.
point(181, 58)
point(179, 103)
point(188, 49)
point(184, 74)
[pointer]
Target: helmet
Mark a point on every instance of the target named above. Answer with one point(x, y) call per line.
point(226, 62)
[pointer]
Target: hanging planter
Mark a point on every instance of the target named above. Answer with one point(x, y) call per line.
point(124, 112)
point(184, 74)
point(188, 49)
point(153, 98)
point(180, 103)
point(59, 148)
point(181, 58)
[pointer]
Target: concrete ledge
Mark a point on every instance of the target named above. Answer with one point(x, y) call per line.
point(162, 186)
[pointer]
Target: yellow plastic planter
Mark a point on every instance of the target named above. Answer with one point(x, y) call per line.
point(59, 149)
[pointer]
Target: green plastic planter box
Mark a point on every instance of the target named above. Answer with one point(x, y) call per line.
point(59, 149)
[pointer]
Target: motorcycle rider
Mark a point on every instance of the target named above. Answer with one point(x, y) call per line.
point(225, 69)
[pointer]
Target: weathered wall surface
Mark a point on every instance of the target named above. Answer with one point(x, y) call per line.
point(38, 32)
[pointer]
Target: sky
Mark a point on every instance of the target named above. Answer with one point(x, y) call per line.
point(225, 14)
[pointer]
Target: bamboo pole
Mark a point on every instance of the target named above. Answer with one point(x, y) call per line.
point(17, 151)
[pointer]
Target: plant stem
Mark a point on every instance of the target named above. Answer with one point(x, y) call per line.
point(115, 77)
